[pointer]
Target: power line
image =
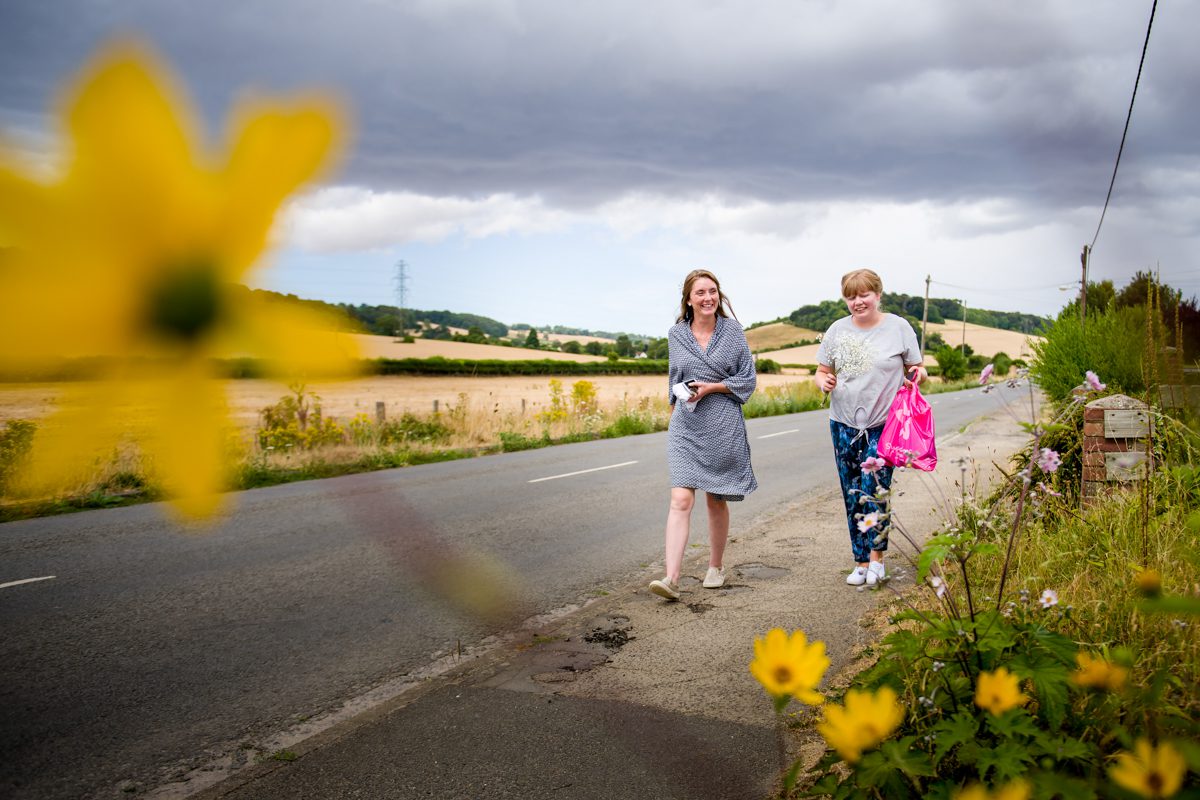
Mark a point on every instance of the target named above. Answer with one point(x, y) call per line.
point(1128, 117)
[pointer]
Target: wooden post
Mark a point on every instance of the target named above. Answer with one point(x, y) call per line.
point(435, 404)
point(380, 412)
point(963, 349)
point(522, 406)
point(1083, 285)
point(925, 315)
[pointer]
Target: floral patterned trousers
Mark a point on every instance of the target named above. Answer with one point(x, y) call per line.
point(851, 447)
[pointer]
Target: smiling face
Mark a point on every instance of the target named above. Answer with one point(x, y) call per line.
point(704, 298)
point(864, 306)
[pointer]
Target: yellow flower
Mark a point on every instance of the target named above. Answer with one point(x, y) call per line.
point(135, 257)
point(1098, 673)
point(1017, 790)
point(789, 666)
point(1149, 771)
point(999, 691)
point(1149, 582)
point(863, 722)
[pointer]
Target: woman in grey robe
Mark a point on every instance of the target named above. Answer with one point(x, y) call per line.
point(707, 447)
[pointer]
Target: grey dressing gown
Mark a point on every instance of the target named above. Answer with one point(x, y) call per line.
point(707, 449)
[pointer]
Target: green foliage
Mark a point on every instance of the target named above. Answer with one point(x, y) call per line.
point(1003, 364)
point(1058, 727)
point(16, 441)
point(456, 366)
point(624, 346)
point(952, 363)
point(531, 339)
point(572, 346)
point(296, 421)
point(789, 399)
point(1109, 344)
point(765, 366)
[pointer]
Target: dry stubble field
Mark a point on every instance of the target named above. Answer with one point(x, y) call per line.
point(345, 399)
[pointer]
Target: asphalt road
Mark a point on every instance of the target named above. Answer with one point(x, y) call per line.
point(156, 645)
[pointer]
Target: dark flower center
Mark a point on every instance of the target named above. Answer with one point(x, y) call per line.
point(185, 301)
point(783, 674)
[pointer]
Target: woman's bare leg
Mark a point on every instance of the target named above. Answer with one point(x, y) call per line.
point(718, 530)
point(678, 522)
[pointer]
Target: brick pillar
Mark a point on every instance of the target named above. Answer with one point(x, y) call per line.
point(1115, 431)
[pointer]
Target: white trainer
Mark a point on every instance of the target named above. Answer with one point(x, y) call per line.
point(714, 578)
point(857, 577)
point(665, 589)
point(875, 573)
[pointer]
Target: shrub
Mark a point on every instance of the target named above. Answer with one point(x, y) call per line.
point(766, 366)
point(1108, 343)
point(16, 441)
point(952, 363)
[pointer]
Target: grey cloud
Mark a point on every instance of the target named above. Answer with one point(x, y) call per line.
point(945, 101)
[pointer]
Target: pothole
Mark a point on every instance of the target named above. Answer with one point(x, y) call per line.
point(755, 570)
point(700, 608)
point(613, 633)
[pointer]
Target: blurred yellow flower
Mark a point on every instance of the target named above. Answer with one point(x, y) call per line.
point(999, 691)
point(862, 722)
point(1098, 673)
point(789, 666)
point(1149, 582)
point(134, 260)
point(1149, 771)
point(1017, 790)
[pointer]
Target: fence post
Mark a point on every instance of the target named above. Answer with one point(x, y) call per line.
point(435, 404)
point(380, 411)
point(1115, 430)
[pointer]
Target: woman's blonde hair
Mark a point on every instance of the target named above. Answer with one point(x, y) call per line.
point(861, 280)
point(724, 309)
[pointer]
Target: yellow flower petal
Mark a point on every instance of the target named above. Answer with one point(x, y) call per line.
point(999, 691)
point(276, 153)
point(863, 721)
point(1150, 771)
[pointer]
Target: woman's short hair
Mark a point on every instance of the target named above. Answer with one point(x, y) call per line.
point(724, 309)
point(859, 281)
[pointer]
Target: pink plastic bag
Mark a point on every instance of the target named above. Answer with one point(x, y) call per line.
point(908, 436)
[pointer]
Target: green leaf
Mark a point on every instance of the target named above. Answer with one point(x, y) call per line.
point(826, 786)
point(1172, 605)
point(1013, 723)
point(902, 755)
point(934, 552)
point(1064, 748)
point(1056, 784)
point(1010, 760)
point(1050, 678)
point(952, 732)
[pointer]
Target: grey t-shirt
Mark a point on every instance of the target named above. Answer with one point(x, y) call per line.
point(869, 365)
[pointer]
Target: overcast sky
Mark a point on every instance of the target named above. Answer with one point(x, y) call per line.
point(568, 162)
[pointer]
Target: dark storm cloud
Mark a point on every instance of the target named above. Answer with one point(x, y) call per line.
point(899, 101)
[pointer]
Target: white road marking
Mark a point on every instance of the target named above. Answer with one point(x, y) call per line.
point(27, 580)
point(582, 472)
point(781, 433)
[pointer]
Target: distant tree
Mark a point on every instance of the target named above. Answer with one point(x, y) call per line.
point(657, 349)
point(594, 348)
point(952, 363)
point(572, 346)
point(1002, 363)
point(531, 341)
point(624, 346)
point(934, 342)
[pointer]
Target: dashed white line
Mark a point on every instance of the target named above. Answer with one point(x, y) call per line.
point(781, 433)
point(27, 580)
point(582, 472)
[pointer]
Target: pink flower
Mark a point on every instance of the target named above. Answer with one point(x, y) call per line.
point(1048, 460)
point(1049, 598)
point(1047, 490)
point(867, 522)
point(873, 464)
point(1093, 382)
point(939, 586)
point(987, 373)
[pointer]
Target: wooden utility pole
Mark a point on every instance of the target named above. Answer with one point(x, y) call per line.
point(1083, 285)
point(925, 314)
point(963, 349)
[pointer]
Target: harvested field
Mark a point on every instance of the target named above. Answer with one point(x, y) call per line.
point(777, 335)
point(388, 347)
point(400, 393)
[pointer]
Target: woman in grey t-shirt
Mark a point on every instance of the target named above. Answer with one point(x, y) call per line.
point(863, 360)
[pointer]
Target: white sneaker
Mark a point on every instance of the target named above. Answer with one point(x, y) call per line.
point(714, 578)
point(857, 577)
point(875, 573)
point(665, 589)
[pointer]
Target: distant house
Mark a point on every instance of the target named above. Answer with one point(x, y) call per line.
point(641, 355)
